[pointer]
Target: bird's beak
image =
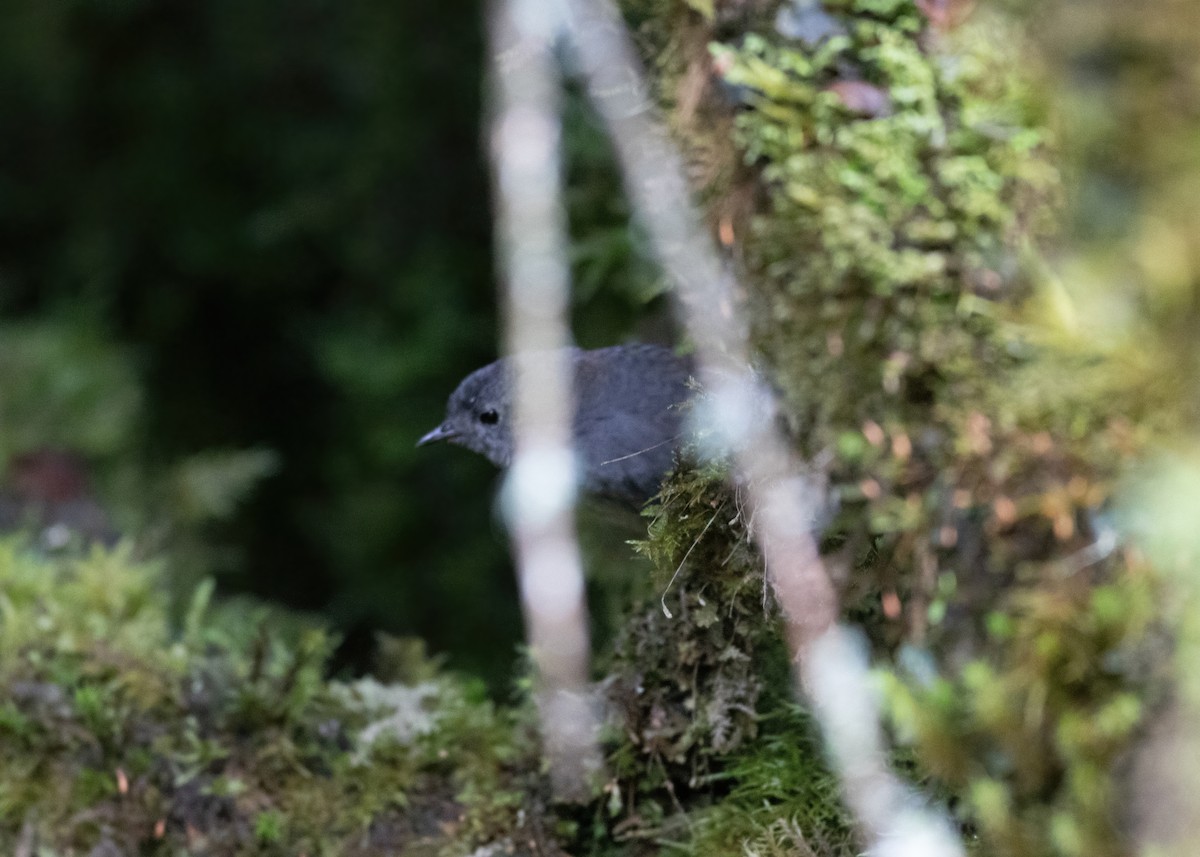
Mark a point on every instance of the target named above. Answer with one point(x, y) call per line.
point(442, 432)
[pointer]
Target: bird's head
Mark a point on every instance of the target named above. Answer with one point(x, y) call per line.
point(479, 415)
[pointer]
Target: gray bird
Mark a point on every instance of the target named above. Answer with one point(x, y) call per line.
point(627, 422)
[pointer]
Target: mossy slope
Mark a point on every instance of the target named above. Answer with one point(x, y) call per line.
point(122, 732)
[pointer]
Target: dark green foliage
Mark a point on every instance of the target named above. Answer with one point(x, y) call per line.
point(610, 264)
point(66, 385)
point(782, 798)
point(713, 754)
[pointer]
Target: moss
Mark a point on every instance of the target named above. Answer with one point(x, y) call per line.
point(886, 234)
point(711, 753)
point(884, 194)
point(782, 798)
point(223, 736)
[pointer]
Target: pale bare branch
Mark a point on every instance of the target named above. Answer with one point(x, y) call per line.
point(541, 484)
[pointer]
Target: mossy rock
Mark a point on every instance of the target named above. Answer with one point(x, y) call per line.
point(123, 732)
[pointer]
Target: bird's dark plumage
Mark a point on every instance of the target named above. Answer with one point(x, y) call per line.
point(627, 421)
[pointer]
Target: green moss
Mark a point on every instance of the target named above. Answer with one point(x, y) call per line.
point(691, 651)
point(889, 254)
point(268, 827)
point(225, 737)
point(782, 797)
point(882, 228)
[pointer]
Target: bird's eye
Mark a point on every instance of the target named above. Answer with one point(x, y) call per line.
point(489, 417)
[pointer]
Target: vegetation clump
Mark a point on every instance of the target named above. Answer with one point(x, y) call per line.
point(123, 732)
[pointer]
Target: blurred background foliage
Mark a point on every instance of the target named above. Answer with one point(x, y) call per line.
point(245, 254)
point(1124, 295)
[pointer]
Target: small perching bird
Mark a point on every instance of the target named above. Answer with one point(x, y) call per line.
point(627, 421)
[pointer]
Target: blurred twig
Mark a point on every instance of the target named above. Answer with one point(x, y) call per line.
point(526, 131)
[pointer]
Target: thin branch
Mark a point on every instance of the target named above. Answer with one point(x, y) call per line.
point(540, 491)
